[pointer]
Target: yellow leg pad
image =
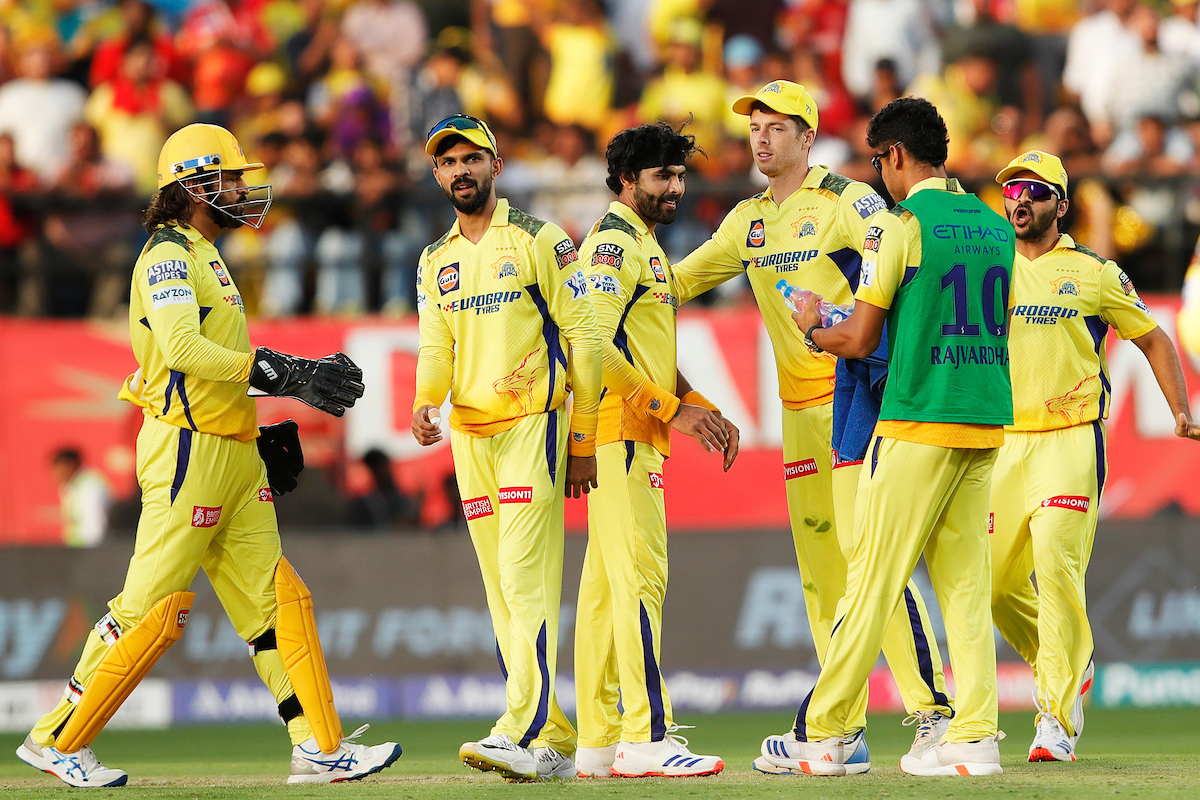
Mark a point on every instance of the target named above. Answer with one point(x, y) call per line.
point(300, 648)
point(123, 667)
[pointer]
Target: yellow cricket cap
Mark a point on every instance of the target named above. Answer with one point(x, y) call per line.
point(1046, 166)
point(473, 130)
point(782, 96)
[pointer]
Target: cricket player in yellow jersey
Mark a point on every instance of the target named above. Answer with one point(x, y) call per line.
point(808, 228)
point(925, 485)
point(208, 481)
point(1050, 472)
point(507, 329)
point(618, 624)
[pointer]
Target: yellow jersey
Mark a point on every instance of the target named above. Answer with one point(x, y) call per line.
point(187, 325)
point(632, 292)
point(497, 322)
point(814, 240)
point(1187, 323)
point(1063, 303)
point(894, 252)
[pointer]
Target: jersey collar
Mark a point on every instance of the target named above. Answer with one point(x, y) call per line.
point(1065, 242)
point(499, 218)
point(816, 174)
point(941, 184)
point(629, 215)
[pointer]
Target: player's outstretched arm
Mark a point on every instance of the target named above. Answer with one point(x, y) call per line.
point(330, 384)
point(427, 425)
point(1164, 360)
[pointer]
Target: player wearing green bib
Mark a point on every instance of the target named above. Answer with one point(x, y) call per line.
point(937, 270)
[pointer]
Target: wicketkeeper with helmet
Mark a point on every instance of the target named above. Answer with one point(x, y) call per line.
point(209, 476)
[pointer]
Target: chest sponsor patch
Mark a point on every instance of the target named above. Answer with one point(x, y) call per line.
point(656, 481)
point(565, 253)
point(604, 283)
point(869, 204)
point(222, 275)
point(798, 469)
point(608, 255)
point(656, 267)
point(477, 507)
point(757, 235)
point(265, 495)
point(505, 267)
point(205, 517)
point(170, 295)
point(515, 494)
point(1070, 501)
point(447, 278)
point(174, 270)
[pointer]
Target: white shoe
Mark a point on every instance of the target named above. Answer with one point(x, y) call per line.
point(1051, 742)
point(350, 762)
point(785, 755)
point(956, 758)
point(80, 769)
point(667, 758)
point(595, 762)
point(499, 753)
point(931, 726)
point(553, 765)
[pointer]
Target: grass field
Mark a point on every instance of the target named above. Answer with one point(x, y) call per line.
point(1150, 755)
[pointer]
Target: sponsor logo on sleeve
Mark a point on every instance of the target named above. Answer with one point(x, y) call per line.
point(477, 507)
point(757, 235)
point(579, 437)
point(798, 469)
point(447, 278)
point(1140, 305)
point(170, 295)
point(1126, 283)
point(656, 267)
point(515, 494)
point(608, 255)
point(577, 284)
point(565, 253)
point(173, 270)
point(868, 205)
point(655, 404)
point(604, 283)
point(265, 495)
point(656, 481)
point(991, 522)
point(205, 517)
point(422, 301)
point(866, 272)
point(871, 242)
point(222, 276)
point(1069, 501)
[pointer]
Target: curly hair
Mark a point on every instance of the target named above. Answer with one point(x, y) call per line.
point(915, 122)
point(650, 145)
point(170, 204)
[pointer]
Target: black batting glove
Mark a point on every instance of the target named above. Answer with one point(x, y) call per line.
point(279, 447)
point(330, 384)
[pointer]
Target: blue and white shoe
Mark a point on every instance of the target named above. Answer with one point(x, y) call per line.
point(80, 769)
point(785, 755)
point(667, 758)
point(1051, 742)
point(931, 726)
point(350, 762)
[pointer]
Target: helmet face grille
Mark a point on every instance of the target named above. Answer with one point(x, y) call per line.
point(206, 186)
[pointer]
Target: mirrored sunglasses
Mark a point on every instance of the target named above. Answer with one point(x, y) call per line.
point(1038, 191)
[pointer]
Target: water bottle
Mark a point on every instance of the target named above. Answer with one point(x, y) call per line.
point(830, 314)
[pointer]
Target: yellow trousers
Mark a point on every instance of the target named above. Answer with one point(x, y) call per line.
point(512, 491)
point(1045, 503)
point(203, 505)
point(913, 499)
point(618, 623)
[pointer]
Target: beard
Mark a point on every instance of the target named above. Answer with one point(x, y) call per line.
point(1039, 222)
point(474, 201)
point(221, 217)
point(650, 206)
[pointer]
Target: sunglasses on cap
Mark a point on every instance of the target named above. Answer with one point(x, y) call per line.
point(1039, 191)
point(461, 122)
point(877, 159)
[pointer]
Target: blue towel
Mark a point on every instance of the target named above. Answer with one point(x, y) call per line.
point(857, 395)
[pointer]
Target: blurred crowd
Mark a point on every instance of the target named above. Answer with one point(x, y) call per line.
point(336, 97)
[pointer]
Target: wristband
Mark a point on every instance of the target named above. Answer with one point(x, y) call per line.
point(694, 398)
point(808, 340)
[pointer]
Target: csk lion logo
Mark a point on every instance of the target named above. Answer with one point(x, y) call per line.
point(1072, 404)
point(1065, 286)
point(520, 383)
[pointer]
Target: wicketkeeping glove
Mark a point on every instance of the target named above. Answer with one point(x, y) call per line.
point(330, 384)
point(279, 446)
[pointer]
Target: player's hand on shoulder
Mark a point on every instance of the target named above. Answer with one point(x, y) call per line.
point(702, 425)
point(733, 438)
point(581, 475)
point(1185, 428)
point(427, 425)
